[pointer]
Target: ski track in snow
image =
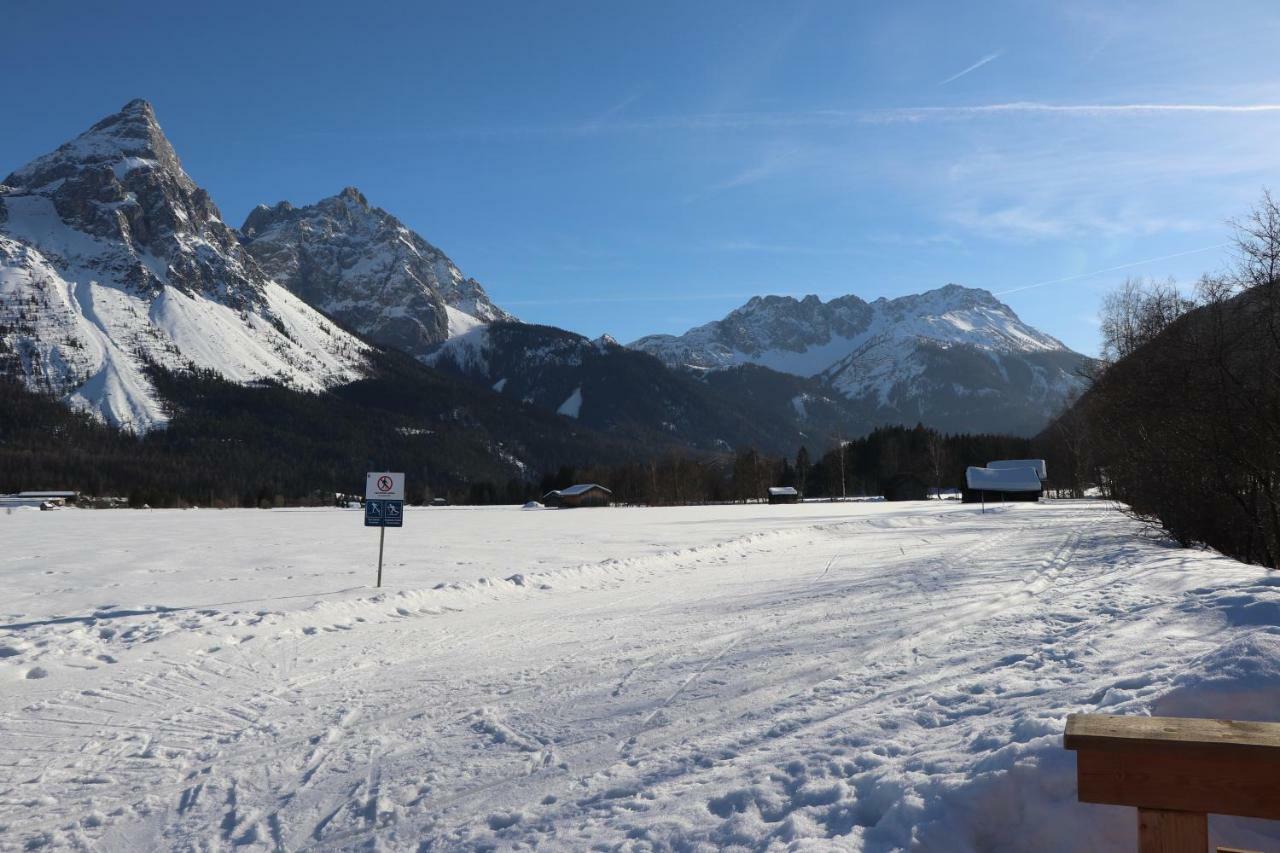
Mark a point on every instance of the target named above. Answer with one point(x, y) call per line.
point(858, 676)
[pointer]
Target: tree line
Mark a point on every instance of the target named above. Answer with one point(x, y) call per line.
point(230, 446)
point(1181, 421)
point(858, 467)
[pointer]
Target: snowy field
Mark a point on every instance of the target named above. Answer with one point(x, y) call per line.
point(822, 676)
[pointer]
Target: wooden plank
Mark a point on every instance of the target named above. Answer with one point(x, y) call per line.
point(1172, 832)
point(1103, 731)
point(1187, 779)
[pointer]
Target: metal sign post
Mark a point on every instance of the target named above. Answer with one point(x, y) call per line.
point(382, 538)
point(383, 506)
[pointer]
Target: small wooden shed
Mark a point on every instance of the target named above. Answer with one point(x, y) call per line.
point(580, 495)
point(783, 495)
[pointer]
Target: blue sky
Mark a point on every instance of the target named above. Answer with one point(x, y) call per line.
point(647, 167)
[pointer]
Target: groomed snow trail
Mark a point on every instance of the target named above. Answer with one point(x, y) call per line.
point(861, 677)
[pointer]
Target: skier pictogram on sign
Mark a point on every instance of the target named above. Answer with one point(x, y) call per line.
point(384, 483)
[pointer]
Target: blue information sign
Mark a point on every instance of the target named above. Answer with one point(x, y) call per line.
point(383, 513)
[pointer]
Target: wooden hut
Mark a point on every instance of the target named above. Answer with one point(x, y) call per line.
point(783, 495)
point(581, 495)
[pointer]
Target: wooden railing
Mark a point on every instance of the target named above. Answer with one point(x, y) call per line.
point(1176, 772)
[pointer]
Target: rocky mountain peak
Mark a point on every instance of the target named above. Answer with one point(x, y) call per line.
point(955, 356)
point(113, 261)
point(354, 196)
point(263, 216)
point(806, 336)
point(122, 182)
point(133, 131)
point(948, 297)
point(361, 265)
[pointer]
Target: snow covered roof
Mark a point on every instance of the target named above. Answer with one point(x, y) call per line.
point(583, 488)
point(782, 490)
point(579, 489)
point(1003, 479)
point(1037, 464)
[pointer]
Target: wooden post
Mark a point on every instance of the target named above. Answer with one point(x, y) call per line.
point(1172, 832)
point(1177, 771)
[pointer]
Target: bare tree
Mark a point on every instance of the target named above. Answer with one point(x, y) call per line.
point(1137, 312)
point(1257, 244)
point(939, 459)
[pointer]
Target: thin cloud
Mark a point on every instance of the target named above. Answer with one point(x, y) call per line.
point(1087, 110)
point(818, 118)
point(1116, 268)
point(611, 113)
point(990, 57)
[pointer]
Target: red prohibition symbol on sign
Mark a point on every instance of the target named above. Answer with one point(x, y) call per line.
point(384, 484)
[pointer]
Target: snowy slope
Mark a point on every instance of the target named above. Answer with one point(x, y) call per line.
point(363, 267)
point(862, 677)
point(955, 358)
point(112, 259)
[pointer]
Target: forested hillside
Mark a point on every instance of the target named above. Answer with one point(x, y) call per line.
point(232, 445)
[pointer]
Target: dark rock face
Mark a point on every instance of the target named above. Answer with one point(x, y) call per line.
point(122, 182)
point(363, 267)
point(781, 322)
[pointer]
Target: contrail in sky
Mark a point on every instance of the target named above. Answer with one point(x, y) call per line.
point(990, 57)
point(1109, 269)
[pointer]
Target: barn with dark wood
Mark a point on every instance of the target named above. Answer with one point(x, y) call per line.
point(580, 495)
point(783, 495)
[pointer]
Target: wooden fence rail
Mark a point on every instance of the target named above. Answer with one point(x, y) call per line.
point(1176, 772)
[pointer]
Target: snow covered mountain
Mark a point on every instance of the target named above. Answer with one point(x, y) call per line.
point(112, 260)
point(955, 358)
point(363, 267)
point(613, 389)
